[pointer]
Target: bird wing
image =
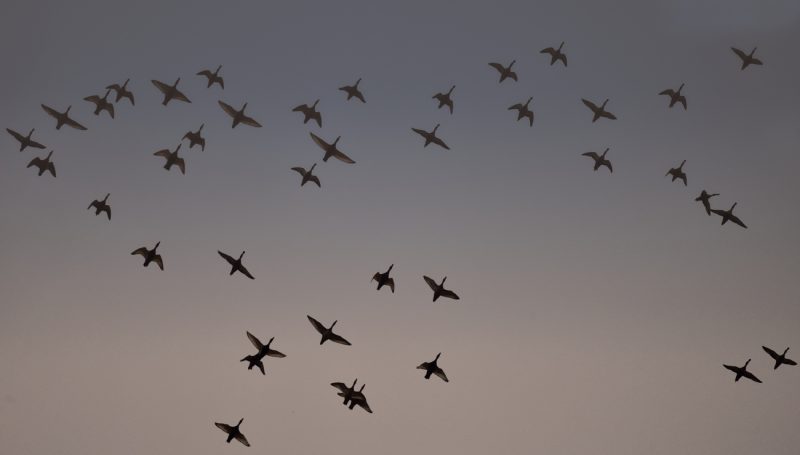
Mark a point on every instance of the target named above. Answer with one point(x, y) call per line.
point(422, 133)
point(224, 427)
point(115, 87)
point(430, 282)
point(449, 294)
point(52, 168)
point(159, 261)
point(338, 339)
point(72, 123)
point(314, 179)
point(254, 340)
point(683, 177)
point(164, 88)
point(246, 272)
point(608, 115)
point(608, 165)
point(240, 437)
point(738, 52)
point(342, 157)
point(110, 109)
point(181, 165)
point(755, 61)
point(771, 353)
point(360, 96)
point(564, 59)
point(591, 155)
point(205, 73)
point(498, 67)
point(668, 92)
point(180, 96)
point(318, 140)
point(107, 209)
point(93, 99)
point(142, 251)
point(250, 121)
point(440, 143)
point(439, 372)
point(376, 277)
point(512, 75)
point(682, 100)
point(423, 366)
point(318, 118)
point(547, 50)
point(359, 399)
point(390, 283)
point(736, 220)
point(517, 106)
point(732, 368)
point(319, 327)
point(16, 135)
point(750, 376)
point(274, 353)
point(50, 111)
point(342, 388)
point(589, 104)
point(94, 204)
point(300, 170)
point(789, 362)
point(162, 153)
point(35, 162)
point(301, 108)
point(230, 260)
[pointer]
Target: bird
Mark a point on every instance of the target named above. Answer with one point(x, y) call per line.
point(505, 72)
point(727, 215)
point(238, 116)
point(122, 92)
point(307, 175)
point(310, 113)
point(101, 104)
point(233, 432)
point(195, 138)
point(677, 173)
point(344, 391)
point(383, 279)
point(439, 290)
point(63, 118)
point(150, 256)
point(430, 137)
point(327, 333)
point(445, 99)
point(433, 368)
point(330, 149)
point(780, 359)
point(355, 397)
point(599, 160)
point(742, 371)
point(704, 198)
point(599, 111)
point(353, 91)
point(44, 164)
point(555, 54)
point(263, 351)
point(170, 92)
point(101, 206)
point(236, 264)
point(213, 78)
point(25, 141)
point(747, 59)
point(675, 96)
point(172, 158)
point(523, 110)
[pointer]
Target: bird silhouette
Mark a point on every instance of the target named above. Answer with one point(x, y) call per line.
point(330, 149)
point(63, 118)
point(383, 279)
point(727, 215)
point(309, 113)
point(44, 164)
point(213, 78)
point(598, 111)
point(150, 256)
point(445, 99)
point(25, 141)
point(238, 116)
point(742, 372)
point(599, 160)
point(780, 359)
point(172, 159)
point(195, 138)
point(430, 137)
point(236, 264)
point(353, 91)
point(704, 198)
point(675, 96)
point(747, 59)
point(439, 290)
point(354, 397)
point(677, 173)
point(505, 71)
point(327, 333)
point(170, 92)
point(523, 110)
point(307, 175)
point(555, 54)
point(433, 368)
point(263, 351)
point(233, 432)
point(101, 104)
point(101, 206)
point(122, 92)
point(345, 391)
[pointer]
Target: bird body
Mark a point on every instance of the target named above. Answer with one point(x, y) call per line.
point(727, 215)
point(264, 350)
point(780, 359)
point(747, 59)
point(704, 198)
point(233, 432)
point(150, 256)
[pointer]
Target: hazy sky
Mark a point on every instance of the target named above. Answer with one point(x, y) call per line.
point(596, 309)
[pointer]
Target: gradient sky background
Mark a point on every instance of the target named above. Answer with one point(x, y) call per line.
point(597, 309)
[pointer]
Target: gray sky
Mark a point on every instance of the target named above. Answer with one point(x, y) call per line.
point(596, 309)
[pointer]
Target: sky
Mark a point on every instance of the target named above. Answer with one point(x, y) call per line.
point(596, 309)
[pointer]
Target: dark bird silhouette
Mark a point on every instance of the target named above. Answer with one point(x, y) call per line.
point(675, 96)
point(355, 397)
point(195, 138)
point(555, 54)
point(25, 141)
point(704, 198)
point(445, 99)
point(599, 111)
point(433, 368)
point(233, 432)
point(150, 256)
point(383, 279)
point(523, 110)
point(780, 359)
point(101, 206)
point(101, 104)
point(727, 215)
point(430, 137)
point(310, 113)
point(677, 173)
point(63, 118)
point(170, 92)
point(172, 159)
point(505, 72)
point(236, 264)
point(307, 175)
point(327, 333)
point(439, 290)
point(345, 391)
point(238, 116)
point(747, 59)
point(353, 91)
point(44, 164)
point(213, 78)
point(263, 351)
point(742, 371)
point(122, 92)
point(599, 160)
point(330, 149)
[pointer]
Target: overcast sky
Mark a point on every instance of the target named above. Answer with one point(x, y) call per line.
point(596, 309)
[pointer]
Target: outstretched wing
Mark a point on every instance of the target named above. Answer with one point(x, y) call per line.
point(750, 376)
point(227, 108)
point(376, 277)
point(789, 362)
point(164, 153)
point(516, 106)
point(423, 366)
point(440, 143)
point(159, 261)
point(35, 162)
point(224, 427)
point(342, 388)
point(338, 339)
point(668, 92)
point(246, 272)
point(164, 88)
point(51, 167)
point(608, 115)
point(439, 372)
point(300, 170)
point(318, 140)
point(360, 400)
point(498, 67)
point(738, 52)
point(253, 339)
point(178, 95)
point(181, 165)
point(755, 61)
point(92, 99)
point(142, 251)
point(390, 283)
point(430, 282)
point(249, 121)
point(206, 73)
point(682, 100)
point(230, 260)
point(16, 135)
point(449, 294)
point(589, 104)
point(50, 111)
point(315, 179)
point(342, 157)
point(73, 124)
point(240, 437)
point(319, 327)
point(107, 209)
point(274, 353)
point(591, 155)
point(422, 133)
point(547, 50)
point(736, 220)
point(771, 353)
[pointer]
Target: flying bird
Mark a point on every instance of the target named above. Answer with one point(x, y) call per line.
point(236, 264)
point(307, 175)
point(675, 96)
point(599, 111)
point(195, 138)
point(233, 432)
point(599, 160)
point(355, 397)
point(310, 113)
point(742, 371)
point(433, 368)
point(213, 78)
point(747, 59)
point(439, 290)
point(523, 110)
point(101, 206)
point(330, 149)
point(344, 391)
point(555, 54)
point(704, 198)
point(383, 279)
point(263, 351)
point(505, 72)
point(170, 92)
point(43, 164)
point(353, 91)
point(150, 256)
point(101, 104)
point(327, 333)
point(430, 137)
point(25, 141)
point(677, 173)
point(780, 359)
point(445, 99)
point(238, 116)
point(172, 159)
point(727, 215)
point(122, 92)
point(63, 118)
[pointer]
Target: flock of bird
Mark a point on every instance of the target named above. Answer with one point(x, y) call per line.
point(351, 396)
